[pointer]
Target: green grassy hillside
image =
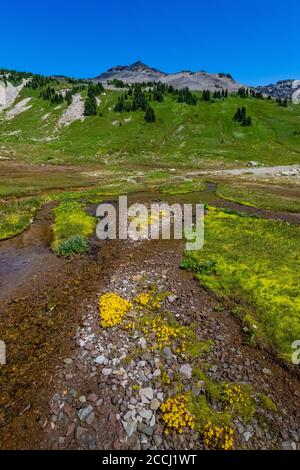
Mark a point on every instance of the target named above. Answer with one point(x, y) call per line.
point(183, 135)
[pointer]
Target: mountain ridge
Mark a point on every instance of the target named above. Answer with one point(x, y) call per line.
point(141, 72)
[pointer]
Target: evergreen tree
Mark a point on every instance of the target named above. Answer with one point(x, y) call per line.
point(90, 106)
point(150, 115)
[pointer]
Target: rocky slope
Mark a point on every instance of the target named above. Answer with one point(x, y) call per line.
point(139, 72)
point(289, 89)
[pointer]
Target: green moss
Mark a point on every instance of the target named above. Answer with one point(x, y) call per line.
point(254, 262)
point(266, 197)
point(203, 413)
point(267, 403)
point(17, 214)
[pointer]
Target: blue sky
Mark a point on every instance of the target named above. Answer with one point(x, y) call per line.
point(256, 41)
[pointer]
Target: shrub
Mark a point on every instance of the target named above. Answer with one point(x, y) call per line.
point(74, 245)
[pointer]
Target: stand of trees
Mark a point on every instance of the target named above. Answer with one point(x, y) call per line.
point(241, 117)
point(281, 102)
point(90, 104)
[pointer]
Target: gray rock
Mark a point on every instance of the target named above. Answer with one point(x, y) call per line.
point(83, 413)
point(146, 392)
point(152, 422)
point(186, 371)
point(146, 414)
point(101, 359)
point(68, 361)
point(155, 404)
point(156, 373)
point(80, 432)
point(167, 353)
point(288, 445)
point(157, 439)
point(129, 427)
point(144, 429)
point(82, 399)
point(247, 435)
point(106, 371)
point(90, 419)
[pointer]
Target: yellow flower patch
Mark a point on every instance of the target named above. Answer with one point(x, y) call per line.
point(233, 394)
point(113, 309)
point(176, 415)
point(218, 437)
point(165, 334)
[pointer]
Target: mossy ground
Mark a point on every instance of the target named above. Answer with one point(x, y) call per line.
point(254, 261)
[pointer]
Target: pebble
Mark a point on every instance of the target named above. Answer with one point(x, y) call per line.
point(186, 371)
point(106, 371)
point(144, 429)
point(83, 413)
point(155, 404)
point(130, 427)
point(266, 371)
point(101, 360)
point(68, 360)
point(167, 353)
point(146, 414)
point(146, 393)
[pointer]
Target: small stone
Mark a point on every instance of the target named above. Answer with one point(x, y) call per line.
point(288, 445)
point(129, 427)
point(144, 429)
point(167, 353)
point(80, 432)
point(146, 414)
point(266, 371)
point(82, 399)
point(101, 359)
point(143, 343)
point(152, 422)
point(83, 413)
point(247, 435)
point(186, 371)
point(172, 298)
point(240, 428)
point(220, 337)
point(92, 397)
point(157, 439)
point(156, 373)
point(155, 404)
point(214, 369)
point(106, 371)
point(89, 420)
point(68, 361)
point(99, 402)
point(146, 393)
